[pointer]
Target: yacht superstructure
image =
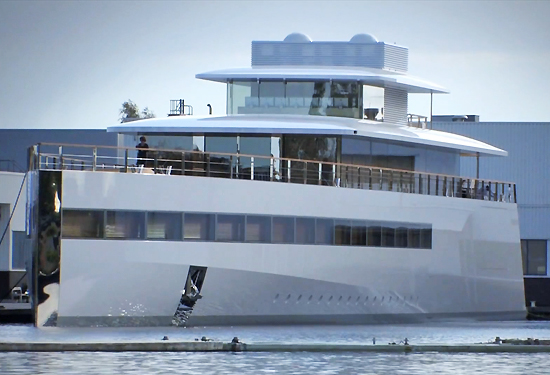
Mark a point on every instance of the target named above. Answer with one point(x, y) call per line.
point(316, 199)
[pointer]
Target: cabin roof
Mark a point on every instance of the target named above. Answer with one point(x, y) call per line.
point(367, 76)
point(303, 124)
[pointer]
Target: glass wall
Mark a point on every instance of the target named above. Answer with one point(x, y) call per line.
point(534, 255)
point(340, 99)
point(373, 103)
point(410, 157)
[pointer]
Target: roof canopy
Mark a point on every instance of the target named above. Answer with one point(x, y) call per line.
point(371, 77)
point(314, 125)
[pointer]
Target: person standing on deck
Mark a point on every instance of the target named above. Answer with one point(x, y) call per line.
point(142, 147)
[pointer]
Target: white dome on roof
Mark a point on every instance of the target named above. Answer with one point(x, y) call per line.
point(297, 38)
point(363, 38)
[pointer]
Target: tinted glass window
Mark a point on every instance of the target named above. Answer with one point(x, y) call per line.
point(164, 225)
point(305, 230)
point(283, 229)
point(426, 238)
point(82, 224)
point(414, 238)
point(375, 236)
point(125, 224)
point(358, 233)
point(199, 227)
point(401, 237)
point(342, 232)
point(536, 257)
point(230, 228)
point(258, 229)
point(388, 237)
point(324, 231)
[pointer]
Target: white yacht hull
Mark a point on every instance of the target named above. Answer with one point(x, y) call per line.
point(474, 268)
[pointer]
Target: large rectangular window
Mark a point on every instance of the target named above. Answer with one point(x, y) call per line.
point(324, 232)
point(174, 226)
point(283, 229)
point(359, 233)
point(230, 228)
point(82, 224)
point(426, 238)
point(414, 238)
point(401, 237)
point(258, 229)
point(305, 231)
point(198, 227)
point(534, 255)
point(125, 225)
point(342, 232)
point(164, 226)
point(388, 237)
point(375, 235)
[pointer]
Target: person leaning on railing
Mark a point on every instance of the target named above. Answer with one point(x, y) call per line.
point(142, 147)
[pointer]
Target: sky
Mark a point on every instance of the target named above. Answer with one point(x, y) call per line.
point(71, 64)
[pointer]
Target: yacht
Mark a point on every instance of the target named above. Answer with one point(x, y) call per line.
point(317, 199)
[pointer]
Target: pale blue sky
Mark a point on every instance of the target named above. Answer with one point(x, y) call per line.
point(70, 64)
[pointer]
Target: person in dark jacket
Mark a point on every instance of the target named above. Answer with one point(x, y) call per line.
point(142, 147)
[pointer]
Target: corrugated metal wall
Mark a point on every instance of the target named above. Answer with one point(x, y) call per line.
point(395, 106)
point(527, 164)
point(377, 55)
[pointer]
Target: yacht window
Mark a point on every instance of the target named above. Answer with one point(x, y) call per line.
point(401, 237)
point(258, 229)
point(359, 233)
point(305, 230)
point(199, 227)
point(375, 235)
point(388, 237)
point(283, 229)
point(125, 225)
point(342, 232)
point(426, 238)
point(230, 228)
point(414, 238)
point(82, 224)
point(164, 226)
point(324, 230)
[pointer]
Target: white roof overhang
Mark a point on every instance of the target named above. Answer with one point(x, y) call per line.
point(314, 125)
point(371, 77)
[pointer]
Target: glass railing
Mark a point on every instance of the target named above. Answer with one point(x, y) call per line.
point(46, 156)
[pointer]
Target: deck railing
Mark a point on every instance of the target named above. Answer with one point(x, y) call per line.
point(265, 168)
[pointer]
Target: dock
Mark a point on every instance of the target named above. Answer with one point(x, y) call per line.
point(218, 346)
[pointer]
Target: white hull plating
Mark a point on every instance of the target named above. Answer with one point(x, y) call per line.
point(473, 269)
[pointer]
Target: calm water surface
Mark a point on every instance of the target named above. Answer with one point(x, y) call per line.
point(281, 363)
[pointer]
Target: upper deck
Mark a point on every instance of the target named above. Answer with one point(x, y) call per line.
point(361, 78)
point(49, 156)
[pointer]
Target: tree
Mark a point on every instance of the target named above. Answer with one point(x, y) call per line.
point(147, 113)
point(130, 111)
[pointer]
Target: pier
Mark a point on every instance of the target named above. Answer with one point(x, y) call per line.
point(218, 346)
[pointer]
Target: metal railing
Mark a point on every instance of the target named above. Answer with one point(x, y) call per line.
point(418, 121)
point(265, 168)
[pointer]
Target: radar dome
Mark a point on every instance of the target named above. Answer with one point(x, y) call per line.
point(363, 38)
point(297, 38)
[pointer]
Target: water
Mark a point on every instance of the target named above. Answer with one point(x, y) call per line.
point(281, 363)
